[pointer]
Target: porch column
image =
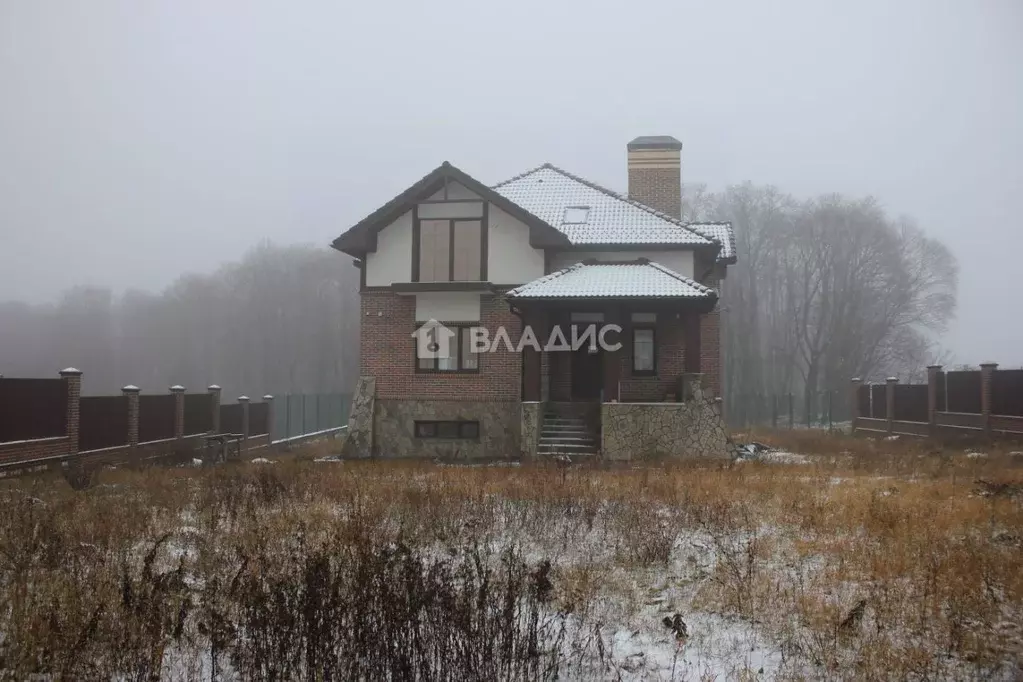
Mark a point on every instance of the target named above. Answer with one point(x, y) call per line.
point(532, 381)
point(693, 350)
point(613, 359)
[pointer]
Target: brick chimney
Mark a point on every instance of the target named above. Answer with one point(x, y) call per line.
point(655, 173)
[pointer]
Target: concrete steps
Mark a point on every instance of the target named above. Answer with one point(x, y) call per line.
point(569, 429)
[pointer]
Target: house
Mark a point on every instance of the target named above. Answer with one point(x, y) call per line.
point(575, 319)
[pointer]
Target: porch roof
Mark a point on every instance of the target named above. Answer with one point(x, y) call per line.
point(637, 279)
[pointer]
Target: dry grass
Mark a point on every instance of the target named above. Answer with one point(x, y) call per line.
point(876, 560)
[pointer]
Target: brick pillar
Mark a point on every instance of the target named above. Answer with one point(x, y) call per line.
point(179, 410)
point(243, 400)
point(269, 400)
point(889, 399)
point(933, 372)
point(987, 369)
point(214, 392)
point(854, 403)
point(73, 379)
point(132, 394)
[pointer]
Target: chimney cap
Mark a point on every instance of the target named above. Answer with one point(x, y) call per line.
point(654, 142)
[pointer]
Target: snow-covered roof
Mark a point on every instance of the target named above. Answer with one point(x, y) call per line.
point(723, 233)
point(639, 279)
point(611, 219)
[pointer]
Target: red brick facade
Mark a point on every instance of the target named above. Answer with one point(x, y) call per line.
point(387, 353)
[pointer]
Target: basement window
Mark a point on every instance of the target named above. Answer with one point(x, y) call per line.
point(465, 430)
point(576, 215)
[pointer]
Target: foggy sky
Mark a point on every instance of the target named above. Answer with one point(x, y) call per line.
point(143, 139)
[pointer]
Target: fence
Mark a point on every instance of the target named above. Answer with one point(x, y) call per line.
point(301, 414)
point(985, 402)
point(818, 409)
point(47, 420)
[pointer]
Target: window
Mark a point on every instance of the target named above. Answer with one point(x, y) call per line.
point(644, 351)
point(576, 215)
point(466, 430)
point(450, 250)
point(459, 356)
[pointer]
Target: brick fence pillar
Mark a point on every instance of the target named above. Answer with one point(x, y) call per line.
point(987, 370)
point(269, 400)
point(214, 392)
point(73, 379)
point(132, 394)
point(243, 400)
point(933, 372)
point(179, 410)
point(889, 399)
point(854, 403)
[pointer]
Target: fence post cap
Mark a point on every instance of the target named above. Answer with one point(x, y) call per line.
point(934, 366)
point(177, 388)
point(856, 380)
point(985, 365)
point(268, 397)
point(243, 398)
point(70, 372)
point(130, 388)
point(213, 387)
point(892, 380)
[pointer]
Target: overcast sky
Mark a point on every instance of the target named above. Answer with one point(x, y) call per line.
point(143, 139)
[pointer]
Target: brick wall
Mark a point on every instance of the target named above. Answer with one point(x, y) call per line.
point(658, 188)
point(387, 352)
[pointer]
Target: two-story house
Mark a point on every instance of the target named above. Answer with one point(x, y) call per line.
point(564, 258)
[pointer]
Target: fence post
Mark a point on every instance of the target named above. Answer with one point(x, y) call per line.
point(179, 410)
point(854, 407)
point(269, 400)
point(987, 369)
point(132, 394)
point(792, 413)
point(214, 392)
point(244, 401)
point(73, 379)
point(932, 398)
point(287, 416)
point(889, 401)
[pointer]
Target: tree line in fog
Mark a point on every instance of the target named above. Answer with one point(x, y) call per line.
point(825, 290)
point(284, 319)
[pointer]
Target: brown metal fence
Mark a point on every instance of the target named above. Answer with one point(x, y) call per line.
point(941, 395)
point(32, 409)
point(156, 417)
point(863, 400)
point(911, 403)
point(231, 418)
point(198, 413)
point(259, 419)
point(878, 402)
point(1007, 392)
point(103, 422)
point(963, 390)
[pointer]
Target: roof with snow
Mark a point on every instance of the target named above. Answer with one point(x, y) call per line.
point(637, 279)
point(551, 193)
point(723, 233)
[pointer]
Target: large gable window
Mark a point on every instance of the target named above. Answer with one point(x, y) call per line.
point(450, 250)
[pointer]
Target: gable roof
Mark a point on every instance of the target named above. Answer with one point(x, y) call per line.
point(637, 279)
point(360, 238)
point(547, 191)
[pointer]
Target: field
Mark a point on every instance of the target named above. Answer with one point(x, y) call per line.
point(856, 560)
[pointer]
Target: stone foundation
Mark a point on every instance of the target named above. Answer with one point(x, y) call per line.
point(532, 417)
point(394, 429)
point(639, 431)
point(359, 439)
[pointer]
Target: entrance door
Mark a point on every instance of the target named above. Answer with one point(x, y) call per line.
point(587, 373)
